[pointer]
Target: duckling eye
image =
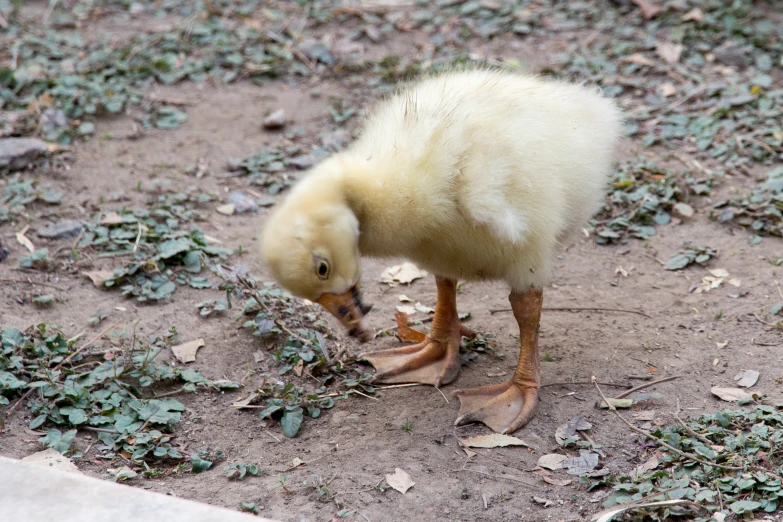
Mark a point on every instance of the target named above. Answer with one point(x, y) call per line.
point(322, 269)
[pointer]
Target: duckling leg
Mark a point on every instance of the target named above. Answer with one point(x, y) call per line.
point(508, 406)
point(435, 360)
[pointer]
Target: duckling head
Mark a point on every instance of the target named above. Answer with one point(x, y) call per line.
point(311, 246)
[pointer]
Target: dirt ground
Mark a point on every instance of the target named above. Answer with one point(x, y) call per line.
point(353, 446)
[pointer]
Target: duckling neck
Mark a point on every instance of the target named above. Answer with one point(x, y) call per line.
point(388, 217)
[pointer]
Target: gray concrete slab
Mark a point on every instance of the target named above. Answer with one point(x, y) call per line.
point(37, 493)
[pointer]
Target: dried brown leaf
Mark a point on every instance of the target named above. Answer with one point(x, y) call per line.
point(495, 440)
point(405, 332)
point(400, 481)
point(186, 352)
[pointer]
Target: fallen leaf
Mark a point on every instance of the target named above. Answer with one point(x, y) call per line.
point(400, 481)
point(495, 440)
point(112, 218)
point(667, 90)
point(730, 394)
point(648, 10)
point(405, 332)
point(642, 469)
point(694, 15)
point(404, 298)
point(569, 429)
point(710, 282)
point(582, 465)
point(556, 482)
point(721, 345)
point(247, 402)
point(735, 282)
point(186, 352)
point(669, 52)
point(424, 309)
point(684, 209)
point(24, 240)
point(53, 459)
point(747, 378)
point(299, 367)
point(553, 461)
point(99, 277)
point(545, 501)
point(227, 209)
point(406, 309)
point(617, 403)
point(296, 462)
point(639, 59)
point(402, 274)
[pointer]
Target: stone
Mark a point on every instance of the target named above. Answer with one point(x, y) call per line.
point(63, 229)
point(732, 56)
point(242, 202)
point(36, 493)
point(18, 153)
point(276, 120)
point(302, 161)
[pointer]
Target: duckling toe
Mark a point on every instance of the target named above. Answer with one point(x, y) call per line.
point(504, 407)
point(429, 362)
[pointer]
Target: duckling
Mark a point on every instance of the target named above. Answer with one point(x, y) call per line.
point(471, 174)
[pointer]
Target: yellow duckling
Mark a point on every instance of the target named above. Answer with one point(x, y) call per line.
point(472, 175)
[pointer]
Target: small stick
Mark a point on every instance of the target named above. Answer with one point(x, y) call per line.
point(645, 254)
point(30, 283)
point(765, 323)
point(645, 385)
point(444, 396)
point(642, 361)
point(579, 309)
point(659, 441)
point(676, 416)
point(398, 386)
point(270, 434)
point(585, 382)
point(513, 479)
point(757, 343)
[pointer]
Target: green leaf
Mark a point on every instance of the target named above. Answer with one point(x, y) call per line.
point(37, 422)
point(291, 421)
point(677, 262)
point(775, 310)
point(744, 506)
point(199, 464)
point(43, 300)
point(57, 440)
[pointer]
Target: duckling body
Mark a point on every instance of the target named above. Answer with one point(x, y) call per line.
point(473, 175)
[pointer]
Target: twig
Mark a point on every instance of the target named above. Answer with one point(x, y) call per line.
point(765, 323)
point(659, 441)
point(642, 361)
point(138, 238)
point(444, 396)
point(645, 254)
point(391, 386)
point(584, 382)
point(780, 292)
point(270, 434)
point(169, 394)
point(757, 343)
point(67, 359)
point(645, 385)
point(29, 283)
point(676, 416)
point(513, 479)
point(579, 309)
point(99, 430)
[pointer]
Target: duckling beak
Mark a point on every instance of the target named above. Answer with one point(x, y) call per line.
point(349, 309)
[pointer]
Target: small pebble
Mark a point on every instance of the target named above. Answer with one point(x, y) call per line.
point(66, 228)
point(276, 120)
